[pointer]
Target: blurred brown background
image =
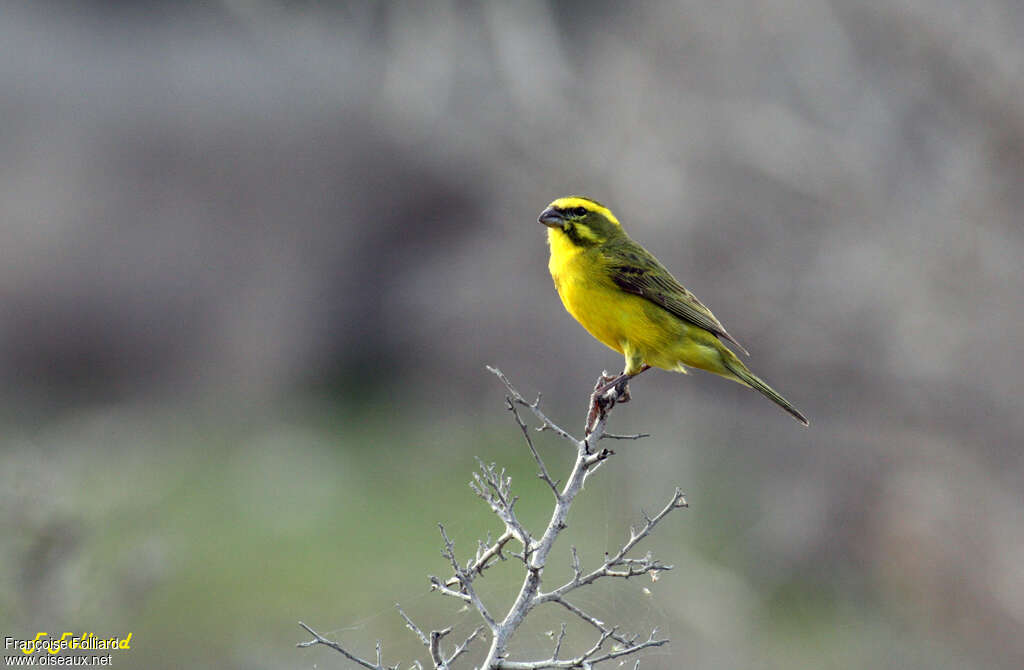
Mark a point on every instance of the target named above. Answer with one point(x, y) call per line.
point(255, 255)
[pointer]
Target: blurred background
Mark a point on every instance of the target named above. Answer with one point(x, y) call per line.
point(254, 257)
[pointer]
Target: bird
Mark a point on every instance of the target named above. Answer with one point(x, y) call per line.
point(623, 296)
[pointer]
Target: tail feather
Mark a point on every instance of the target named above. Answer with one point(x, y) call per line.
point(759, 385)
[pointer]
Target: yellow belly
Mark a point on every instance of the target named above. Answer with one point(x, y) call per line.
point(630, 324)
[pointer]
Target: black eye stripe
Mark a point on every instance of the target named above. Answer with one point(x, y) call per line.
point(574, 235)
point(579, 211)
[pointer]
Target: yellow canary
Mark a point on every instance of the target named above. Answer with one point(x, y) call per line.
point(625, 298)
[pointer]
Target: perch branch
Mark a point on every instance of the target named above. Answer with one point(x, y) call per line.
point(588, 459)
point(494, 486)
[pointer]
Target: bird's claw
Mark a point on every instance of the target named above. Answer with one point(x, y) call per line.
point(608, 392)
point(604, 380)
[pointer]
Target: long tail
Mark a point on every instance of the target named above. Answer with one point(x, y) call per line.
point(747, 377)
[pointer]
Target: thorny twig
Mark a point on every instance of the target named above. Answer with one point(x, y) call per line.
point(494, 488)
point(320, 639)
point(493, 485)
point(633, 567)
point(485, 552)
point(433, 641)
point(465, 579)
point(543, 474)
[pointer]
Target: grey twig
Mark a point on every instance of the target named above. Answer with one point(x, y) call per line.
point(553, 485)
point(434, 645)
point(558, 643)
point(494, 486)
point(320, 639)
point(546, 423)
point(484, 555)
point(630, 567)
point(465, 645)
point(592, 620)
point(436, 584)
point(588, 459)
point(413, 627)
point(433, 642)
point(465, 579)
point(589, 658)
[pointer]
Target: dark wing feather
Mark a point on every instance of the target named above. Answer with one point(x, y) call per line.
point(635, 270)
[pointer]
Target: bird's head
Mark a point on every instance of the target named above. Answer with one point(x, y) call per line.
point(583, 221)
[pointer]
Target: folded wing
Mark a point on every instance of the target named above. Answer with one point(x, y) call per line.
point(635, 270)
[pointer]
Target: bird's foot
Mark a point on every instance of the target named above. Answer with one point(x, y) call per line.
point(620, 383)
point(606, 383)
point(603, 380)
point(601, 401)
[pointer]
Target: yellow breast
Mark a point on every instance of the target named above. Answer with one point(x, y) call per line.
point(587, 293)
point(627, 323)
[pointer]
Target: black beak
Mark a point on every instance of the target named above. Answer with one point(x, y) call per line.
point(551, 217)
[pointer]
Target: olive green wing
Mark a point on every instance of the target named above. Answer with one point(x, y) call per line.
point(635, 270)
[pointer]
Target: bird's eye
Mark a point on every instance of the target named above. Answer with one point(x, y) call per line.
point(579, 211)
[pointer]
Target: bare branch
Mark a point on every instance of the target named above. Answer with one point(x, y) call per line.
point(577, 569)
point(435, 646)
point(593, 621)
point(465, 645)
point(320, 639)
point(633, 567)
point(546, 423)
point(433, 641)
point(600, 643)
point(465, 579)
point(533, 450)
point(493, 485)
point(651, 641)
point(495, 488)
point(436, 584)
point(591, 657)
point(587, 461)
point(413, 627)
point(558, 643)
point(484, 556)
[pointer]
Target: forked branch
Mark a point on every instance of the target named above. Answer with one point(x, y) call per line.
point(494, 487)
